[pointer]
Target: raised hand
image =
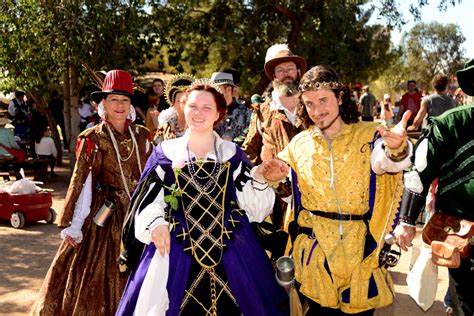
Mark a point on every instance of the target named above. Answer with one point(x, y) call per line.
point(395, 136)
point(161, 238)
point(273, 170)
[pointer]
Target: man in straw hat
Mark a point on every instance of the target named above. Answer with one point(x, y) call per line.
point(273, 124)
point(445, 152)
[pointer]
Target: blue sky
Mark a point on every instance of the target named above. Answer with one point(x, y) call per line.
point(461, 14)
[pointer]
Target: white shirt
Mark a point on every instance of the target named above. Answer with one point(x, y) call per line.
point(276, 105)
point(85, 111)
point(46, 147)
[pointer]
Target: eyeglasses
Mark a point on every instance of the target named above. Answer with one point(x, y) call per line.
point(282, 71)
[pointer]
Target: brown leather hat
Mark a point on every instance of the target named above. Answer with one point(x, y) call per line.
point(281, 53)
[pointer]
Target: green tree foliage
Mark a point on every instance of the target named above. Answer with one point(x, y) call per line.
point(432, 48)
point(43, 44)
point(210, 35)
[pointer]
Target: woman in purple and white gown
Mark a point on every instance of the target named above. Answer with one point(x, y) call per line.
point(191, 213)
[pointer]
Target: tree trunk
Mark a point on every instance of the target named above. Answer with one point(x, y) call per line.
point(74, 118)
point(67, 103)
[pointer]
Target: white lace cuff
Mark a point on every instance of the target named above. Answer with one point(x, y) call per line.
point(72, 232)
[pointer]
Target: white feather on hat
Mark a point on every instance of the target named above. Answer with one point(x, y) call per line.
point(273, 51)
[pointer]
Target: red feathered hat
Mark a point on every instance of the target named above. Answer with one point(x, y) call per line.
point(115, 82)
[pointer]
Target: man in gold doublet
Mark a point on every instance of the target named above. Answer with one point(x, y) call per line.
point(349, 186)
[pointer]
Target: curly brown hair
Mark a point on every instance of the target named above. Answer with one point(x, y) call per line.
point(439, 82)
point(221, 104)
point(322, 73)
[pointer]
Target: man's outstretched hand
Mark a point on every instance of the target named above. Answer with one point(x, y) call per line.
point(395, 136)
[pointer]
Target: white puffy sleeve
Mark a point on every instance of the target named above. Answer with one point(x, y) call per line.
point(81, 211)
point(151, 215)
point(253, 196)
point(381, 163)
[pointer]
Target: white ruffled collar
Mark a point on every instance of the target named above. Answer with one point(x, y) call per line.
point(176, 149)
point(167, 116)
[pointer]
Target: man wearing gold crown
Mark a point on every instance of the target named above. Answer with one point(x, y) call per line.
point(347, 186)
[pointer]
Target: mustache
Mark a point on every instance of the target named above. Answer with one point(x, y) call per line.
point(331, 123)
point(287, 89)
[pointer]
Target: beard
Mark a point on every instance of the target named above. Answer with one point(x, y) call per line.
point(286, 90)
point(323, 127)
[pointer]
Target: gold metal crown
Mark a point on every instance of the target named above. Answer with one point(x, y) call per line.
point(320, 85)
point(177, 83)
point(207, 81)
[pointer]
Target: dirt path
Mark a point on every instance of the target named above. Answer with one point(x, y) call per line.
point(25, 256)
point(27, 253)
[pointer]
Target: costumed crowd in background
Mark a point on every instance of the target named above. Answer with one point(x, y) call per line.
point(182, 201)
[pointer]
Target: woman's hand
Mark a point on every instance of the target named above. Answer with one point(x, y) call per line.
point(272, 170)
point(161, 238)
point(72, 236)
point(70, 241)
point(395, 136)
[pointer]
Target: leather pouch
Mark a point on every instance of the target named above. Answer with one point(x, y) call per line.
point(451, 236)
point(445, 255)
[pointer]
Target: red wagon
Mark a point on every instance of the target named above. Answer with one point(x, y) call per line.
point(26, 208)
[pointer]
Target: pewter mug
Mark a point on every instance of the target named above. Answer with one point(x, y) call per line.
point(285, 272)
point(106, 210)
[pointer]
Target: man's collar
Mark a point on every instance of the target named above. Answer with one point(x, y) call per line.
point(315, 131)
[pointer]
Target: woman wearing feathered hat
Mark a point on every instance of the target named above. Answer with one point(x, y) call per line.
point(84, 277)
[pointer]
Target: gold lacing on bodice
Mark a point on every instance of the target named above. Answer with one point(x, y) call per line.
point(203, 186)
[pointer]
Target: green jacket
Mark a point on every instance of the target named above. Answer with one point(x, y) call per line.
point(447, 148)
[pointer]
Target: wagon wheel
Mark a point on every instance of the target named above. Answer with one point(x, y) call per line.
point(17, 220)
point(51, 216)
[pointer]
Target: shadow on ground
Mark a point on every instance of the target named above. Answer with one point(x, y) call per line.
point(27, 253)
